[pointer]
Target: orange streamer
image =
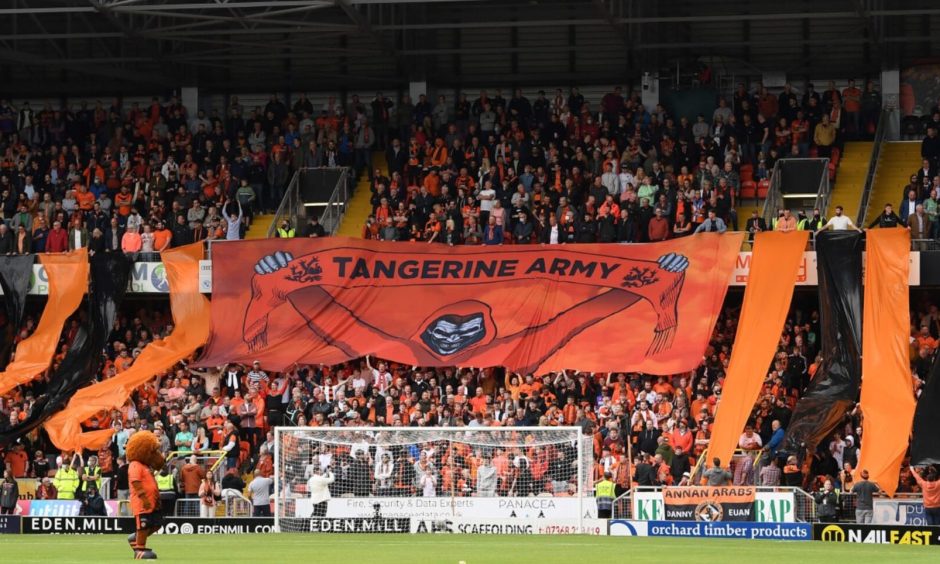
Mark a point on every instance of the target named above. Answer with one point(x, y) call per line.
point(191, 330)
point(68, 282)
point(774, 269)
point(887, 391)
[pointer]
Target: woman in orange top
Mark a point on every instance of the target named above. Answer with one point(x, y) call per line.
point(681, 437)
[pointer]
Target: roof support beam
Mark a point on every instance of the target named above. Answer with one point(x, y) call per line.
point(365, 26)
point(200, 6)
point(600, 6)
point(100, 70)
point(143, 46)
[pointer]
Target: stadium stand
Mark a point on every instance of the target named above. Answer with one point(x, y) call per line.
point(486, 170)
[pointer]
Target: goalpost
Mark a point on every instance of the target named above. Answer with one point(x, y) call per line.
point(433, 479)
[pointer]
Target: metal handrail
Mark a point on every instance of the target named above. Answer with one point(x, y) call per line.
point(774, 199)
point(288, 208)
point(293, 207)
point(335, 211)
point(872, 167)
point(218, 455)
point(234, 504)
point(701, 462)
point(824, 190)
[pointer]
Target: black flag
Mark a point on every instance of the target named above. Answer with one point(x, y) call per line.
point(835, 386)
point(925, 446)
point(109, 277)
point(14, 280)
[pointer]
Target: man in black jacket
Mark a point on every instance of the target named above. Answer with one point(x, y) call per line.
point(397, 157)
point(552, 233)
point(827, 503)
point(887, 219)
point(112, 236)
point(93, 504)
point(645, 473)
point(522, 230)
point(930, 147)
point(7, 242)
point(679, 465)
point(313, 229)
point(587, 230)
point(182, 234)
point(755, 224)
point(626, 227)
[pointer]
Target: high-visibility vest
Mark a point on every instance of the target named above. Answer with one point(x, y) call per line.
point(604, 493)
point(97, 474)
point(165, 483)
point(66, 482)
point(285, 233)
point(801, 224)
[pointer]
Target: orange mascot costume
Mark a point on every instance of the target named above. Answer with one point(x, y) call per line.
point(143, 455)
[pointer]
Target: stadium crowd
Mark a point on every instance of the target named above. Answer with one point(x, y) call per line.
point(485, 170)
point(647, 430)
point(143, 178)
point(559, 170)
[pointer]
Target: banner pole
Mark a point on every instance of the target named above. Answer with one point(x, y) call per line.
point(581, 480)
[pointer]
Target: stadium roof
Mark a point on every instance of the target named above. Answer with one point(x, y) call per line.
point(54, 47)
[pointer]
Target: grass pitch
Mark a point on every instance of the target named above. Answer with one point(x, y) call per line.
point(471, 549)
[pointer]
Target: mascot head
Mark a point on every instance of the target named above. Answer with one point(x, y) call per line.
point(144, 447)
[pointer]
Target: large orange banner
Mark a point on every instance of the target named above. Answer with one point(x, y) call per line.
point(774, 269)
point(887, 399)
point(68, 282)
point(190, 330)
point(531, 308)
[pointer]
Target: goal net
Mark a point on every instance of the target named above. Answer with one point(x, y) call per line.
point(387, 479)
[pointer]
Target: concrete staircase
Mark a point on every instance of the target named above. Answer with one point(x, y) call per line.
point(898, 160)
point(850, 180)
point(360, 206)
point(259, 226)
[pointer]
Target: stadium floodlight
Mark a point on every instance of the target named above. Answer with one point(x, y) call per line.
point(387, 479)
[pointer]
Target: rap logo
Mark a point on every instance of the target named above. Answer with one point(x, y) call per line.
point(158, 279)
point(773, 510)
point(833, 533)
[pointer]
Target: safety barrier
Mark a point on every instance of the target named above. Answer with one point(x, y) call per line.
point(232, 504)
point(28, 525)
point(825, 532)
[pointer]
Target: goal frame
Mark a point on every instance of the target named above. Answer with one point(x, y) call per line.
point(576, 430)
